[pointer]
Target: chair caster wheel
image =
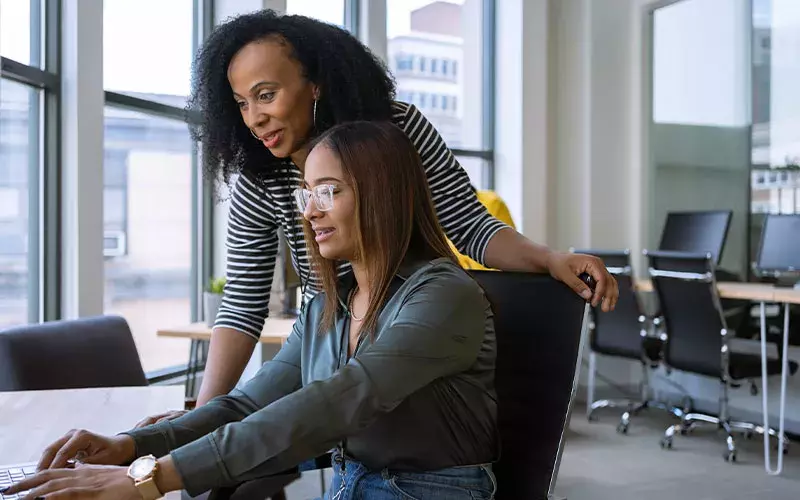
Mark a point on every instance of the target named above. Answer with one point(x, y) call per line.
point(591, 418)
point(730, 456)
point(666, 443)
point(622, 429)
point(785, 449)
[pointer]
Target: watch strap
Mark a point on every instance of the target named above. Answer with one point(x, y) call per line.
point(148, 489)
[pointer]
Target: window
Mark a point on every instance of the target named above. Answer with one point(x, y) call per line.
point(475, 168)
point(19, 158)
point(149, 186)
point(423, 99)
point(20, 31)
point(404, 62)
point(145, 66)
point(330, 11)
point(148, 230)
point(445, 35)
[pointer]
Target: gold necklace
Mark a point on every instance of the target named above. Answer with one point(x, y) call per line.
point(350, 306)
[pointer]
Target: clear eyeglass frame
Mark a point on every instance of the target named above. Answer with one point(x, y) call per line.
point(322, 195)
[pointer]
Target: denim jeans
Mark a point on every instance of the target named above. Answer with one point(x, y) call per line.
point(356, 482)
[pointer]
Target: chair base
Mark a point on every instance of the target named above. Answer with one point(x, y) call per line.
point(691, 420)
point(633, 408)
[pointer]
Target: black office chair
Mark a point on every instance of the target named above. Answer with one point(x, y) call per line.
point(699, 341)
point(701, 231)
point(538, 322)
point(71, 354)
point(626, 333)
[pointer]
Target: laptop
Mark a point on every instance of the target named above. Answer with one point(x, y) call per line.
point(11, 474)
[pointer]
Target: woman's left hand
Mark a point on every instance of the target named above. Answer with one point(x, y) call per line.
point(567, 267)
point(84, 482)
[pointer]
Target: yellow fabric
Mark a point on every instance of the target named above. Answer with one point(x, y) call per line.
point(496, 207)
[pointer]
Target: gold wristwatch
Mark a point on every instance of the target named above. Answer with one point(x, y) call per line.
point(143, 473)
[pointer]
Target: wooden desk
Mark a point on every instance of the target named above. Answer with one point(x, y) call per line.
point(732, 290)
point(276, 331)
point(30, 421)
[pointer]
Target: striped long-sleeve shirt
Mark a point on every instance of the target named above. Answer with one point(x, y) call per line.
point(258, 209)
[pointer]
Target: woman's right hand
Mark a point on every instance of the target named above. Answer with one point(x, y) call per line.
point(89, 448)
point(161, 417)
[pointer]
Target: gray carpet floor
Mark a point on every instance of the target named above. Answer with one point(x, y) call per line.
point(599, 464)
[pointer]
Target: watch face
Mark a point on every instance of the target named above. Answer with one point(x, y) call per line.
point(142, 467)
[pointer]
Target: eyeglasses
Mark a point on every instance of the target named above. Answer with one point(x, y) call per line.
point(321, 194)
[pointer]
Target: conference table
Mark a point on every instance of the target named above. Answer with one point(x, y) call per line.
point(761, 293)
point(31, 420)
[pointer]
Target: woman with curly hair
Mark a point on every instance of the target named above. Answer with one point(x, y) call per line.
point(264, 85)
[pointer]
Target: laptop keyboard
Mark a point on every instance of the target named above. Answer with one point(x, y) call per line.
point(15, 474)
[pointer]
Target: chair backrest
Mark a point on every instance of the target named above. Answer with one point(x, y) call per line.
point(618, 332)
point(690, 304)
point(703, 231)
point(538, 322)
point(72, 354)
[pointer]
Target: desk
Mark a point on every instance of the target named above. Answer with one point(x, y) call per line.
point(30, 421)
point(276, 331)
point(733, 290)
point(762, 293)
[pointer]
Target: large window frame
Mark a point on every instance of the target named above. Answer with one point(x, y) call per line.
point(202, 193)
point(44, 301)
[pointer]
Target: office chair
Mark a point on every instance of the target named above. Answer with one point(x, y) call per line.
point(699, 341)
point(71, 354)
point(626, 333)
point(698, 231)
point(539, 324)
point(702, 231)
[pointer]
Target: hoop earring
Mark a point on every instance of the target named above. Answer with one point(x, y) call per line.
point(254, 134)
point(315, 113)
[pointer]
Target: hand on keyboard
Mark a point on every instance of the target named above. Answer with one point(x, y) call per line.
point(95, 482)
point(89, 448)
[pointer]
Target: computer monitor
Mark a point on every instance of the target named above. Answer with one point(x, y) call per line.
point(696, 232)
point(779, 251)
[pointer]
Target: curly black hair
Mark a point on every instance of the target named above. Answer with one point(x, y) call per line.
point(354, 85)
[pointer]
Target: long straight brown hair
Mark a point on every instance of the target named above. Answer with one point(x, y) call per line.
point(394, 211)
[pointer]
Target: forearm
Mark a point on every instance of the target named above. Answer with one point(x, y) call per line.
point(508, 250)
point(228, 355)
point(167, 476)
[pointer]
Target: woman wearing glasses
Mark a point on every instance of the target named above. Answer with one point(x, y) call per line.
point(392, 364)
point(264, 85)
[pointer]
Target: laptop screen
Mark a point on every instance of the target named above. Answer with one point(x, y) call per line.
point(780, 244)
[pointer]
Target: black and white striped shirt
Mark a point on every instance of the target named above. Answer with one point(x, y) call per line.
point(258, 210)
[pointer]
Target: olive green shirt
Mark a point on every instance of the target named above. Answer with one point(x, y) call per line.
point(420, 396)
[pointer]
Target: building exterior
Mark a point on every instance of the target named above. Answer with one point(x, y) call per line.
point(428, 65)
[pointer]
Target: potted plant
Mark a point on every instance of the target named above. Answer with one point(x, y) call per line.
point(212, 299)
